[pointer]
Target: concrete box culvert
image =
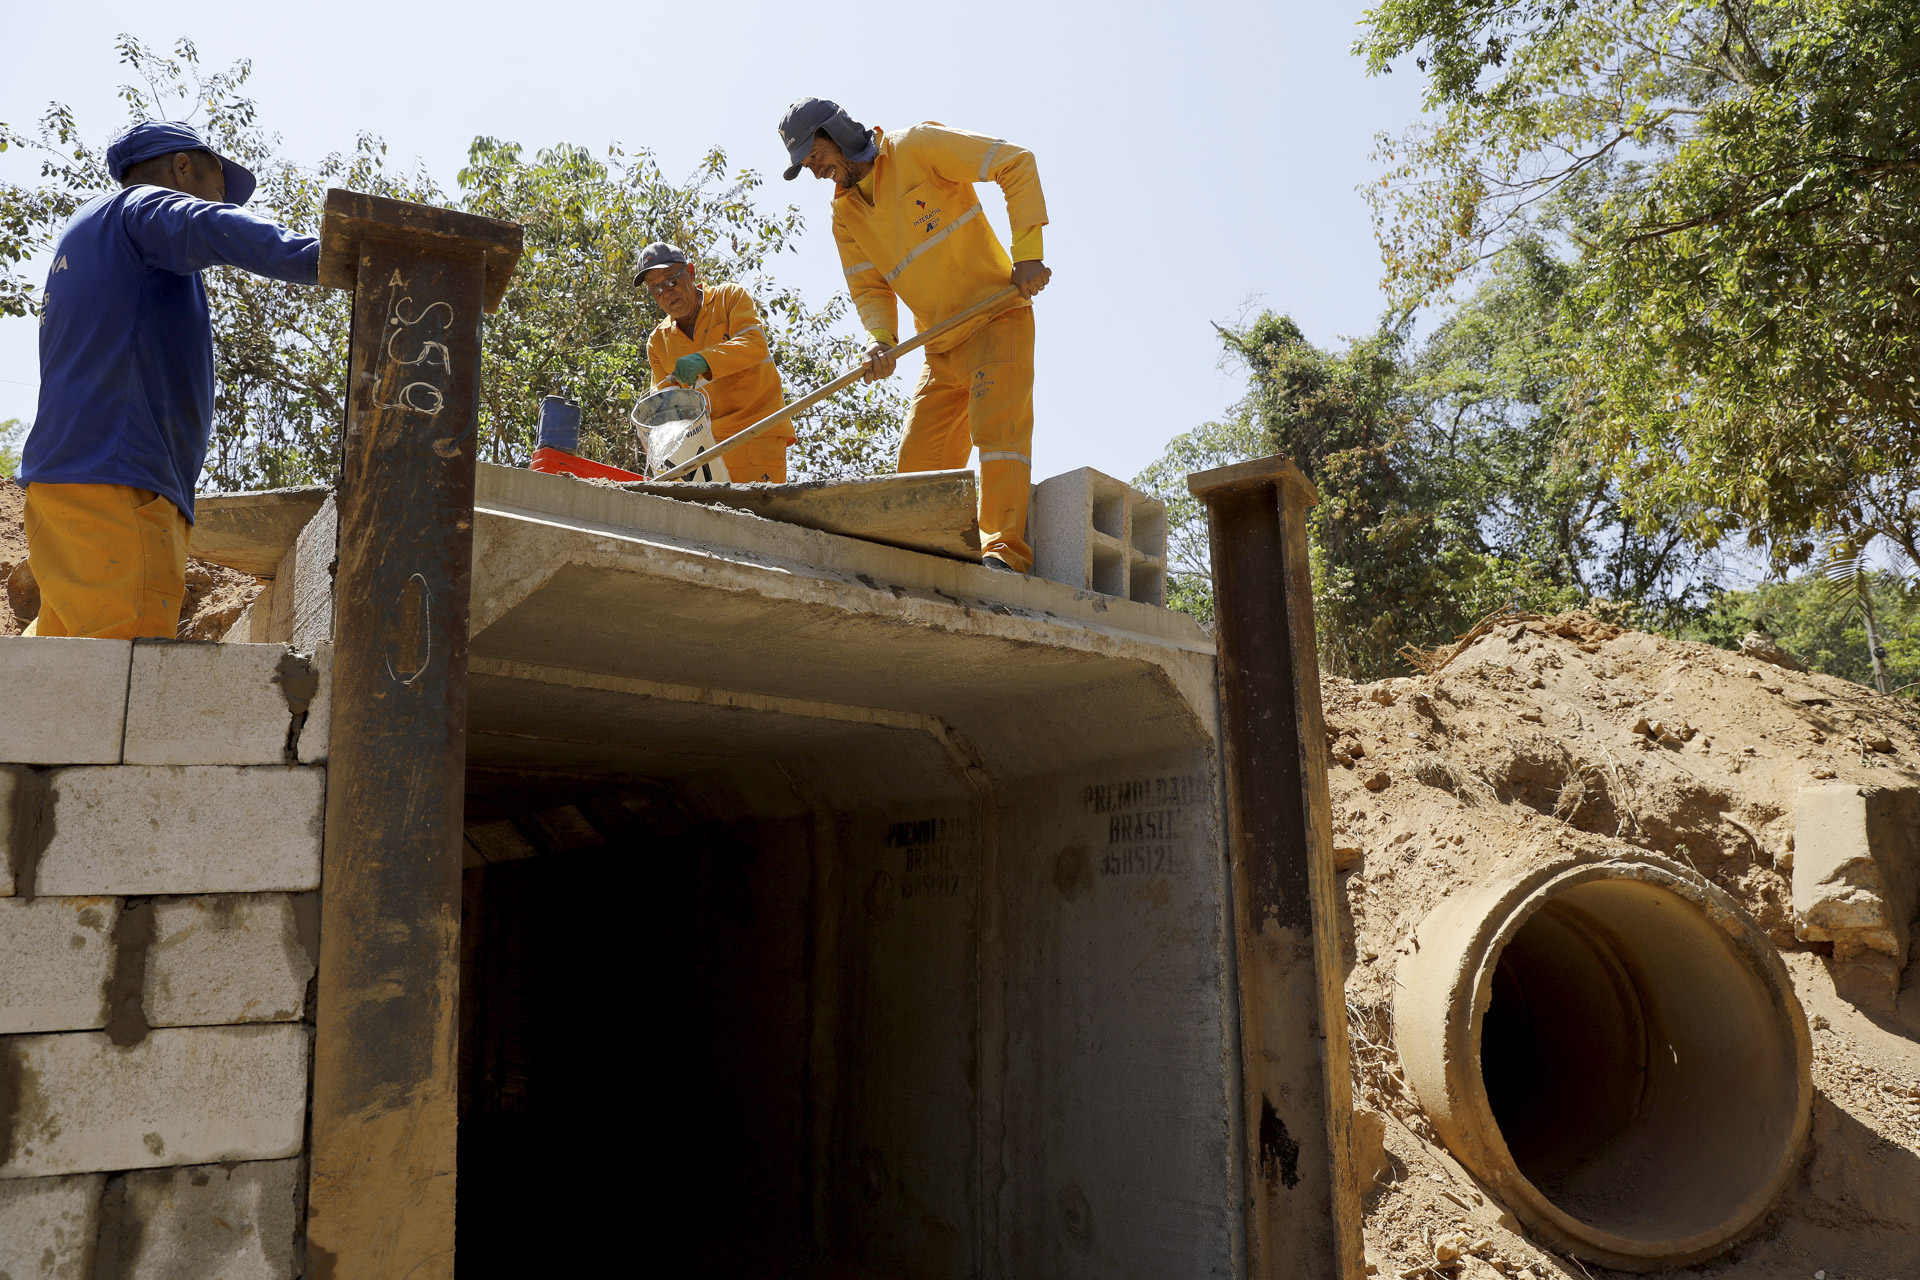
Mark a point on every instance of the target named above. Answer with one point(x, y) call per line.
point(1616, 1050)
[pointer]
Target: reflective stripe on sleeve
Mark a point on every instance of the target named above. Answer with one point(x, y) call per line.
point(1004, 455)
point(986, 161)
point(933, 240)
point(857, 268)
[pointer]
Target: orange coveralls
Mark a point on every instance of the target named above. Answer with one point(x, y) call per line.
point(914, 231)
point(745, 387)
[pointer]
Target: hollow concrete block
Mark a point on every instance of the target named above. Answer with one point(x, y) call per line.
point(48, 1226)
point(181, 1095)
point(192, 702)
point(234, 1222)
point(1854, 878)
point(184, 829)
point(66, 699)
point(1097, 533)
point(55, 958)
point(226, 958)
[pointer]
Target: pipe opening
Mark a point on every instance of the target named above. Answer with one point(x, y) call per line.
point(1640, 1074)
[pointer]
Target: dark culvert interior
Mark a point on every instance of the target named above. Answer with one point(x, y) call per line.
point(1634, 1063)
point(633, 1029)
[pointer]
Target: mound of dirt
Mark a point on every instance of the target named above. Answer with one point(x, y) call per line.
point(216, 596)
point(1572, 734)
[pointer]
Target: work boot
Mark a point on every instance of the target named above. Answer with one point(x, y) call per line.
point(993, 561)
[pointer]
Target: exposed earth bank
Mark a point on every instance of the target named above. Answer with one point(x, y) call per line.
point(1570, 736)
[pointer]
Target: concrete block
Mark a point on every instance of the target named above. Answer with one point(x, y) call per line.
point(178, 829)
point(222, 958)
point(1097, 533)
point(1854, 878)
point(192, 702)
point(181, 1095)
point(251, 626)
point(48, 1225)
point(314, 733)
point(233, 1222)
point(66, 699)
point(302, 609)
point(55, 957)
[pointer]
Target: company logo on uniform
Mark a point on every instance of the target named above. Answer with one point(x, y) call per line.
point(59, 266)
point(926, 221)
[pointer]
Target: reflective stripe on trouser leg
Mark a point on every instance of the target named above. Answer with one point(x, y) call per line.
point(1000, 416)
point(111, 560)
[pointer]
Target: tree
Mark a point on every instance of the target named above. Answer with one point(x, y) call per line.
point(1820, 625)
point(573, 323)
point(1451, 482)
point(12, 432)
point(1744, 327)
point(1189, 549)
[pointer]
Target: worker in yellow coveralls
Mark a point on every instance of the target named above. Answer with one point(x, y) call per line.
point(910, 227)
point(714, 332)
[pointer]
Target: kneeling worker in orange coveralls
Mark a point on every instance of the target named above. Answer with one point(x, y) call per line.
point(714, 332)
point(909, 226)
point(126, 380)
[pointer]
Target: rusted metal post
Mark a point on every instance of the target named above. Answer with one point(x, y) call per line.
point(381, 1196)
point(1303, 1215)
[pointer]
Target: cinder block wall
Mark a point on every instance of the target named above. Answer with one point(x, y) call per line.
point(161, 810)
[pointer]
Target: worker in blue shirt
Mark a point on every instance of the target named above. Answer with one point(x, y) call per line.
point(126, 379)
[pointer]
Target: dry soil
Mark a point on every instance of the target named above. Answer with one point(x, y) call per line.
point(216, 596)
point(1573, 731)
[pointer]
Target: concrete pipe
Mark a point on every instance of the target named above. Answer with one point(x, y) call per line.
point(1615, 1049)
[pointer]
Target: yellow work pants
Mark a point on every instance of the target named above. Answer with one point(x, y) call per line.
point(111, 561)
point(763, 459)
point(981, 393)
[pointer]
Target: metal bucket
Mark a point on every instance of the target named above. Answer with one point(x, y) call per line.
point(674, 425)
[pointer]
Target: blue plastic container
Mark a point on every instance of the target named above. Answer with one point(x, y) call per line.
point(559, 424)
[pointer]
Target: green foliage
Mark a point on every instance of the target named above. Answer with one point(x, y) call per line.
point(1450, 481)
point(573, 323)
point(1808, 621)
point(1740, 180)
point(12, 433)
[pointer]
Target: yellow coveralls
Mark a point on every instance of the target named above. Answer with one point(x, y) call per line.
point(745, 387)
point(111, 560)
point(914, 231)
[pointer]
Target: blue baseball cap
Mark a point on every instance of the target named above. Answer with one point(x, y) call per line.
point(811, 116)
point(657, 254)
point(153, 138)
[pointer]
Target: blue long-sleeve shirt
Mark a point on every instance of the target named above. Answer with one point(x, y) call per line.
point(126, 341)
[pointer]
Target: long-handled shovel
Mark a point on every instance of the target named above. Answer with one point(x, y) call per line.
point(840, 383)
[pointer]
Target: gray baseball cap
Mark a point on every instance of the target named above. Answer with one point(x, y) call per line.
point(657, 254)
point(811, 116)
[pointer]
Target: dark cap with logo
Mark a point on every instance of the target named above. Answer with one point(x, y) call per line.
point(809, 117)
point(657, 254)
point(151, 139)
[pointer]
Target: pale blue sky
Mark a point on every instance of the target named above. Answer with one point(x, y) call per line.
point(1199, 159)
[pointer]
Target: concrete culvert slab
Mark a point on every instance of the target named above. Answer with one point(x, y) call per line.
point(1615, 1048)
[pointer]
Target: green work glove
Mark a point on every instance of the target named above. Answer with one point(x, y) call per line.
point(688, 368)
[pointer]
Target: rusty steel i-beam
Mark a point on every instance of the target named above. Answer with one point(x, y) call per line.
point(381, 1191)
point(1303, 1212)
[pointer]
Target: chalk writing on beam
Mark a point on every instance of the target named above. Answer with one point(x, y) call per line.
point(415, 623)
